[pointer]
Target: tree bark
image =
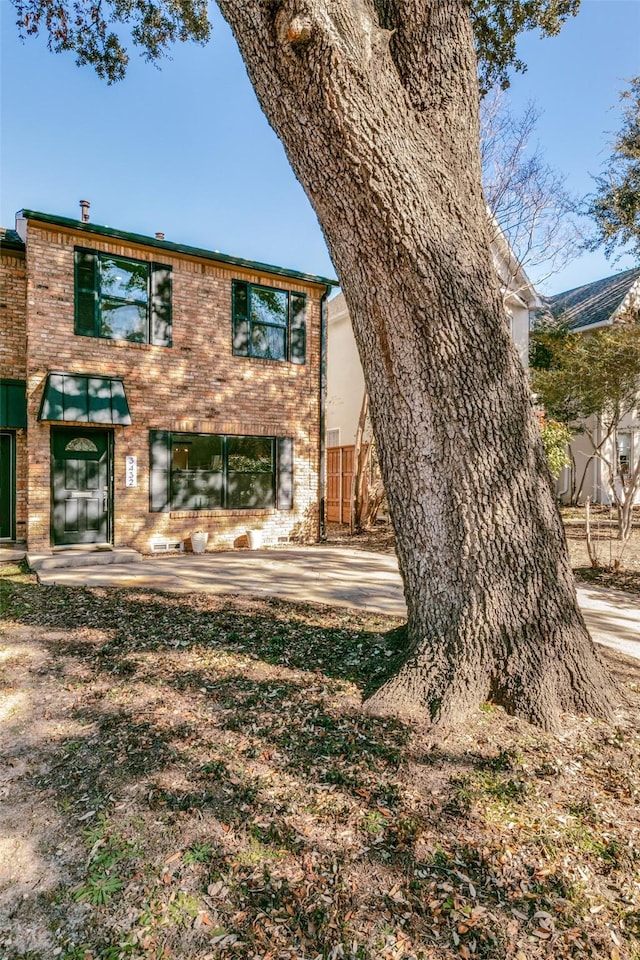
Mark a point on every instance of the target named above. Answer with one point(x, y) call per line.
point(377, 107)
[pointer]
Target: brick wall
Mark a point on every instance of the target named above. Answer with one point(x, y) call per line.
point(13, 358)
point(196, 385)
point(12, 315)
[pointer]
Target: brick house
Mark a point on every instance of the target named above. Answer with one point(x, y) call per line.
point(150, 389)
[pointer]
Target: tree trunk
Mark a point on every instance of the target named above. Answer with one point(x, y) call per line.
point(631, 485)
point(582, 480)
point(360, 466)
point(591, 550)
point(377, 108)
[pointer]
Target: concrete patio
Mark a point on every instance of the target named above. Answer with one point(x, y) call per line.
point(322, 574)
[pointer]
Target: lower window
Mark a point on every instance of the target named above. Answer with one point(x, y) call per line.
point(194, 471)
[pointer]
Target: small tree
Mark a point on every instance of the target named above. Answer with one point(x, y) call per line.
point(592, 382)
point(367, 488)
point(529, 200)
point(615, 206)
point(556, 438)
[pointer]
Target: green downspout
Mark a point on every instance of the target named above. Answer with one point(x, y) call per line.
point(322, 526)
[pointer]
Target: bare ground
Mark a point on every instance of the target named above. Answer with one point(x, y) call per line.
point(191, 777)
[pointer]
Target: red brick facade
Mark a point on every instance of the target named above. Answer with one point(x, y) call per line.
point(195, 386)
point(13, 359)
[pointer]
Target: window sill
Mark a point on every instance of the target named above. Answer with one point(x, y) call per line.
point(121, 344)
point(268, 360)
point(200, 514)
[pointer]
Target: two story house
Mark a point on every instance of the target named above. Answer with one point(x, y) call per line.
point(150, 389)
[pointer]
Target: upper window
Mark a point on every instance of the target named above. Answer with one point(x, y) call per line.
point(269, 323)
point(122, 299)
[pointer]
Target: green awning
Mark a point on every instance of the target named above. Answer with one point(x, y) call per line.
point(13, 403)
point(84, 399)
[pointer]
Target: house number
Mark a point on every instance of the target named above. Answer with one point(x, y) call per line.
point(131, 472)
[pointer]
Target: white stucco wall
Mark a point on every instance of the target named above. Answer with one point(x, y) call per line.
point(595, 485)
point(345, 380)
point(520, 320)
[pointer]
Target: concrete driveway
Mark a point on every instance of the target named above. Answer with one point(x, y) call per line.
point(323, 574)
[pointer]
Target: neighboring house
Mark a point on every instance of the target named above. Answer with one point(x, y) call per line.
point(585, 309)
point(345, 380)
point(149, 390)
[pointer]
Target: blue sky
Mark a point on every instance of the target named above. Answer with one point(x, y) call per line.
point(186, 149)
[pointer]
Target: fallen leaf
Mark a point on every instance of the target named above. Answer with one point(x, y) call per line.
point(519, 914)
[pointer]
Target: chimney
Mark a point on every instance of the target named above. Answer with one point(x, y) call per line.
point(84, 208)
point(159, 235)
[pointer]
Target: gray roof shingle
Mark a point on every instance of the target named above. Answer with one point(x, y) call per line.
point(593, 302)
point(10, 240)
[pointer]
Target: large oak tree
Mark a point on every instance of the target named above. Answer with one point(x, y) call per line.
point(376, 103)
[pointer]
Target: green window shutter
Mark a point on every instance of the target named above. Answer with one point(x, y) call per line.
point(240, 296)
point(298, 309)
point(161, 319)
point(52, 406)
point(13, 403)
point(86, 293)
point(284, 499)
point(159, 471)
point(120, 412)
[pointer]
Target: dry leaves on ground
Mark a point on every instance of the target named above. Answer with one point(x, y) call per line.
point(192, 777)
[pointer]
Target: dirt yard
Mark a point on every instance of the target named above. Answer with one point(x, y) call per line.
point(193, 777)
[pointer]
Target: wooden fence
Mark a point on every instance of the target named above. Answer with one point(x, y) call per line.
point(339, 477)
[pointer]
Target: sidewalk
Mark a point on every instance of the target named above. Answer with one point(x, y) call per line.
point(323, 574)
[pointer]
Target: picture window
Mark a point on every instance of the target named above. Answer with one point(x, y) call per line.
point(194, 471)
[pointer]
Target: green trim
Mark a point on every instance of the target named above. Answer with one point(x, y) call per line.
point(8, 487)
point(297, 327)
point(86, 293)
point(284, 473)
point(10, 240)
point(82, 398)
point(94, 228)
point(13, 403)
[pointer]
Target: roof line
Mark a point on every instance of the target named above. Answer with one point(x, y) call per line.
point(8, 242)
point(171, 247)
point(612, 276)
